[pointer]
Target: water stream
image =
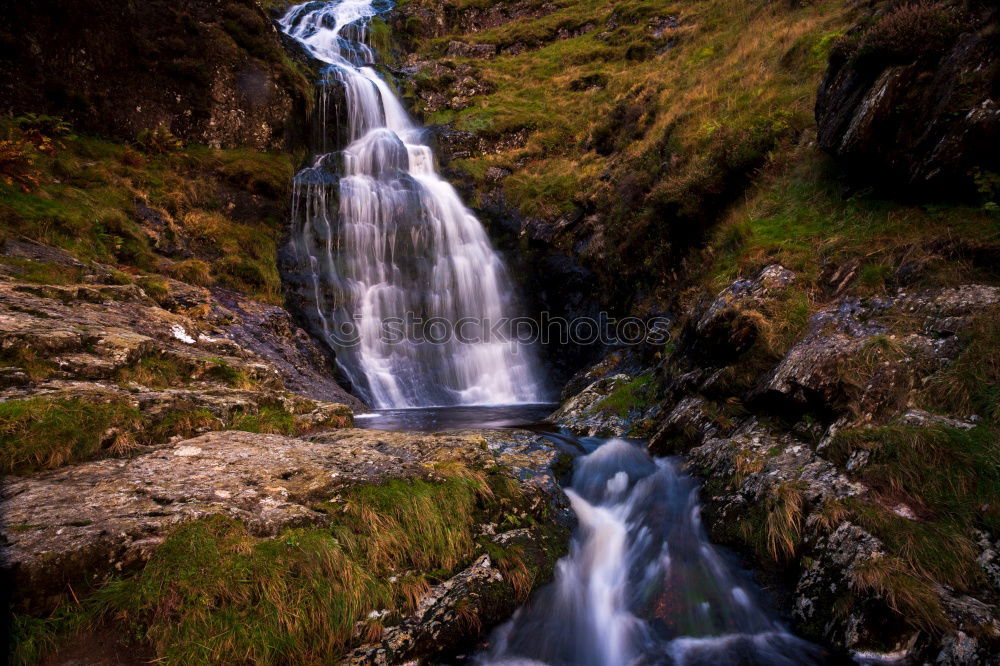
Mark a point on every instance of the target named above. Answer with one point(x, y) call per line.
point(642, 583)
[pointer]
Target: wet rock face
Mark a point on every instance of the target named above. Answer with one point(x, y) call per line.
point(910, 97)
point(212, 72)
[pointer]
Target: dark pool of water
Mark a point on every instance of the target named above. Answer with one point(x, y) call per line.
point(433, 419)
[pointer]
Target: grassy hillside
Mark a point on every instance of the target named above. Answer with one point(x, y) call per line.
point(152, 206)
point(646, 124)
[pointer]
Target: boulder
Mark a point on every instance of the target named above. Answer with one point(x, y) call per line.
point(909, 98)
point(83, 523)
point(731, 324)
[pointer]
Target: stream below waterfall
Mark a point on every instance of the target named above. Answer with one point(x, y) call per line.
point(642, 584)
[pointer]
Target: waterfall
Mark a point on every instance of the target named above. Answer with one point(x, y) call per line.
point(388, 246)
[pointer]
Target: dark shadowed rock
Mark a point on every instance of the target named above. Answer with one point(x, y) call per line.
point(731, 323)
point(911, 99)
point(213, 72)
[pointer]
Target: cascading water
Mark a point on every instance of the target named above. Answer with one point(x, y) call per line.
point(387, 242)
point(642, 584)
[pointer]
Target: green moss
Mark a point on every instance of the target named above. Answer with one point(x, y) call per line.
point(635, 394)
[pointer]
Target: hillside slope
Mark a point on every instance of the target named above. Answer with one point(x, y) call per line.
point(833, 284)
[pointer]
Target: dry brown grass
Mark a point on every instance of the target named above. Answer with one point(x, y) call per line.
point(831, 515)
point(914, 599)
point(784, 520)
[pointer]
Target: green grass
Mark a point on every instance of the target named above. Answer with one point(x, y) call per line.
point(213, 593)
point(268, 420)
point(949, 476)
point(41, 433)
point(27, 359)
point(156, 371)
point(159, 370)
point(678, 127)
point(40, 272)
point(798, 217)
point(44, 433)
point(85, 202)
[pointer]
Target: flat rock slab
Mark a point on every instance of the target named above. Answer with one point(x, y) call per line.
point(81, 523)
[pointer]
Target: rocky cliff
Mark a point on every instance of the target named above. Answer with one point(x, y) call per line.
point(909, 99)
point(214, 73)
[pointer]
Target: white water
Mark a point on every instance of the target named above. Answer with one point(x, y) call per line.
point(384, 237)
point(642, 584)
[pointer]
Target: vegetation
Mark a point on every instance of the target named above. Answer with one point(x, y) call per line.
point(636, 393)
point(42, 433)
point(213, 593)
point(128, 206)
point(653, 114)
point(51, 431)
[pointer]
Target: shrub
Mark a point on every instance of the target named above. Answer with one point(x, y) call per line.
point(909, 31)
point(159, 141)
point(17, 164)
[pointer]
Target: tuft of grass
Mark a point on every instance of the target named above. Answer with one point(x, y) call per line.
point(412, 523)
point(156, 370)
point(944, 472)
point(784, 520)
point(223, 372)
point(272, 420)
point(28, 360)
point(970, 385)
point(155, 287)
point(40, 272)
point(181, 422)
point(39, 433)
point(912, 598)
point(192, 271)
